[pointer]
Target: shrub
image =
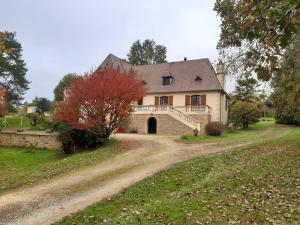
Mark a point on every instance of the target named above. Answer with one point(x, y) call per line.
point(287, 109)
point(37, 118)
point(74, 139)
point(244, 113)
point(214, 128)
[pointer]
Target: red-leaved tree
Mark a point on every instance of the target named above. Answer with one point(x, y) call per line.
point(100, 100)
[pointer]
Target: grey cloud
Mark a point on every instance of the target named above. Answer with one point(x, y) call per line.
point(62, 36)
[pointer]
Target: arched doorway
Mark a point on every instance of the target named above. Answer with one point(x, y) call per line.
point(152, 125)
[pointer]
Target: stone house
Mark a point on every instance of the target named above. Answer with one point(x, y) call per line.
point(181, 96)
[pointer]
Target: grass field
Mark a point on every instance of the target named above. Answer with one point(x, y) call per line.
point(255, 185)
point(231, 136)
point(19, 166)
point(14, 122)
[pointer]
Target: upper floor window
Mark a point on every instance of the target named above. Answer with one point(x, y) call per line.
point(140, 101)
point(196, 100)
point(164, 100)
point(167, 80)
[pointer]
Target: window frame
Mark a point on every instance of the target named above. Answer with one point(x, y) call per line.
point(165, 78)
point(166, 100)
point(140, 102)
point(198, 97)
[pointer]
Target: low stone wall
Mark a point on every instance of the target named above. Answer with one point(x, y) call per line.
point(29, 139)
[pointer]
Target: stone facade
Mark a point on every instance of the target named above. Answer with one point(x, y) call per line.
point(203, 119)
point(15, 139)
point(166, 124)
point(213, 100)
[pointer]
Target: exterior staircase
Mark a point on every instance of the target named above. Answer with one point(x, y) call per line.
point(170, 110)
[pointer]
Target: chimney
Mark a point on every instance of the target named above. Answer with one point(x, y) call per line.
point(221, 73)
point(184, 58)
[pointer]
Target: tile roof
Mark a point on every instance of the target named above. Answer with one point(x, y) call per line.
point(184, 74)
point(114, 61)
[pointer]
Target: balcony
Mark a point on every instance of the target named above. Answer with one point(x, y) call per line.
point(165, 108)
point(203, 109)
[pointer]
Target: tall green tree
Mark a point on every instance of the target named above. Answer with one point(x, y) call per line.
point(12, 69)
point(43, 104)
point(289, 77)
point(246, 90)
point(255, 34)
point(62, 85)
point(245, 107)
point(286, 95)
point(147, 52)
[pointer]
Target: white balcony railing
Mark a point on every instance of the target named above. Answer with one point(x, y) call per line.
point(203, 109)
point(185, 109)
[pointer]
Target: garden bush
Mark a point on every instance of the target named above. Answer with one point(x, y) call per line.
point(37, 118)
point(244, 113)
point(76, 140)
point(287, 108)
point(214, 128)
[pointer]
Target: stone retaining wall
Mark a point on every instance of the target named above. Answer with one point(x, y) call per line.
point(26, 139)
point(166, 124)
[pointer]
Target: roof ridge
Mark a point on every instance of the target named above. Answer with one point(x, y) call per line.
point(173, 62)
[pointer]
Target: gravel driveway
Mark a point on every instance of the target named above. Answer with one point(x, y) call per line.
point(50, 201)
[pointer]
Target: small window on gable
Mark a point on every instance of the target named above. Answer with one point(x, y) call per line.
point(167, 80)
point(144, 82)
point(198, 78)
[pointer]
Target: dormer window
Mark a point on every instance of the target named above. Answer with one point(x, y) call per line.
point(198, 78)
point(167, 80)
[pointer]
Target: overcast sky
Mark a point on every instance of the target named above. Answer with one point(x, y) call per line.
point(65, 36)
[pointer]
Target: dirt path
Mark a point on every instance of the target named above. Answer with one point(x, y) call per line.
point(50, 201)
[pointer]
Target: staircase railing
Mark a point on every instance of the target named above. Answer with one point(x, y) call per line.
point(182, 115)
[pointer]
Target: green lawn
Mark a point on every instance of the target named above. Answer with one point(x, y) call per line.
point(256, 130)
point(255, 185)
point(14, 122)
point(19, 166)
